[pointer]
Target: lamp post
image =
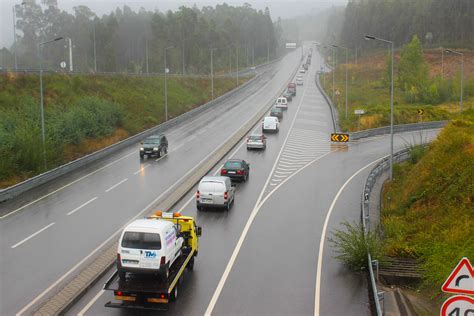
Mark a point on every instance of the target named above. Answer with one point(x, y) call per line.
point(14, 35)
point(212, 72)
point(95, 52)
point(345, 48)
point(368, 37)
point(69, 41)
point(146, 54)
point(462, 73)
point(166, 84)
point(334, 65)
point(40, 57)
point(237, 53)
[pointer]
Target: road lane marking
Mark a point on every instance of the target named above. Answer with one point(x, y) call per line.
point(91, 302)
point(77, 208)
point(32, 235)
point(254, 212)
point(141, 169)
point(161, 157)
point(67, 185)
point(317, 293)
point(116, 185)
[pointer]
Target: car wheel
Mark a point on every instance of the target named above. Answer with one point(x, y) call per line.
point(174, 294)
point(159, 154)
point(166, 150)
point(199, 207)
point(227, 207)
point(142, 156)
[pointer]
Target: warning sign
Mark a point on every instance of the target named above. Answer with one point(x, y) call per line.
point(461, 280)
point(458, 305)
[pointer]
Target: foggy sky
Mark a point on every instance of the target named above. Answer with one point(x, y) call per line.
point(278, 8)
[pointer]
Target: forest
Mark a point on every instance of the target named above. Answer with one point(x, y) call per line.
point(135, 42)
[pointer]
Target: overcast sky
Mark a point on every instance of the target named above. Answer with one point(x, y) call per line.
point(278, 8)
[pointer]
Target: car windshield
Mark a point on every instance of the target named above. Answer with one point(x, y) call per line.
point(233, 165)
point(152, 141)
point(255, 137)
point(277, 110)
point(139, 240)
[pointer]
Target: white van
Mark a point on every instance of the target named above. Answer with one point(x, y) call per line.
point(282, 103)
point(270, 124)
point(148, 246)
point(215, 192)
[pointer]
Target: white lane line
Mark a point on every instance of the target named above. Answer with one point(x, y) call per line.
point(116, 185)
point(317, 295)
point(159, 158)
point(77, 208)
point(282, 172)
point(31, 236)
point(67, 185)
point(236, 251)
point(278, 176)
point(141, 169)
point(92, 302)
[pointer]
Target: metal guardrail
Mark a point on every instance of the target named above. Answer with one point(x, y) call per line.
point(379, 168)
point(335, 116)
point(15, 190)
point(397, 129)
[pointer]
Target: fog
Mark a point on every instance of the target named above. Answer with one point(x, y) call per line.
point(278, 8)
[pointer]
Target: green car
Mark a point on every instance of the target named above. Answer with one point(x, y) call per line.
point(276, 112)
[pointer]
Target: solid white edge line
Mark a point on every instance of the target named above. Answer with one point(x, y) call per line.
point(91, 302)
point(79, 207)
point(159, 158)
point(65, 186)
point(317, 293)
point(116, 185)
point(31, 236)
point(254, 212)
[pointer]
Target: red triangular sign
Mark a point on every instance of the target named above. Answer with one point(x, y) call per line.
point(461, 280)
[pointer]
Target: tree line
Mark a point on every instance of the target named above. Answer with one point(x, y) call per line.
point(129, 41)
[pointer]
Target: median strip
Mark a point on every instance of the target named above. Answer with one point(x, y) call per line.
point(70, 293)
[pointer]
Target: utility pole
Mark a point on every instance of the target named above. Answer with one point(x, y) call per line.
point(68, 39)
point(166, 84)
point(462, 73)
point(95, 53)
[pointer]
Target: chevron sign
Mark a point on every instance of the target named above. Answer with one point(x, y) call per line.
point(339, 137)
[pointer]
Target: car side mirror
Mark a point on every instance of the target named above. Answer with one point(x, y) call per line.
point(199, 231)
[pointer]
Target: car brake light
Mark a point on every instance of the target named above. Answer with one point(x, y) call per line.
point(162, 296)
point(119, 293)
point(119, 259)
point(197, 194)
point(226, 195)
point(240, 172)
point(163, 261)
point(223, 171)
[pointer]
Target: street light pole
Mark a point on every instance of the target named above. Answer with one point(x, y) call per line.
point(212, 73)
point(368, 37)
point(462, 73)
point(95, 53)
point(334, 65)
point(146, 54)
point(14, 35)
point(166, 84)
point(345, 48)
point(237, 49)
point(68, 39)
point(43, 134)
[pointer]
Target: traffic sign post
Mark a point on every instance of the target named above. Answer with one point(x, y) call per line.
point(340, 137)
point(461, 280)
point(458, 305)
point(359, 112)
point(421, 112)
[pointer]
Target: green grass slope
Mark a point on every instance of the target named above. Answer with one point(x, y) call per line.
point(428, 209)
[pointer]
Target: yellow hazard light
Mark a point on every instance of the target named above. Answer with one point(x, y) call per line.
point(158, 213)
point(125, 298)
point(157, 300)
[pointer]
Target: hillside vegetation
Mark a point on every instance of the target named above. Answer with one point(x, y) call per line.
point(428, 210)
point(84, 113)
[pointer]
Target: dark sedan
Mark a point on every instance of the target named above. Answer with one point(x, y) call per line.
point(236, 169)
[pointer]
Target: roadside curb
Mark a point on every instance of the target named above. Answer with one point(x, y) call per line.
point(65, 295)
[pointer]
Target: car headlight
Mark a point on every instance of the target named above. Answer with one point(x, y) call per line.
point(155, 149)
point(141, 149)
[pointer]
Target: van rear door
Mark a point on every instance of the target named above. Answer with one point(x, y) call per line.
point(212, 192)
point(140, 250)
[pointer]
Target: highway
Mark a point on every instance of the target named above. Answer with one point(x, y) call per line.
point(47, 232)
point(269, 254)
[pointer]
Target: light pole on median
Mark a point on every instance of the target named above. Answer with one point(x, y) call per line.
point(345, 48)
point(95, 52)
point(40, 57)
point(166, 84)
point(368, 37)
point(462, 73)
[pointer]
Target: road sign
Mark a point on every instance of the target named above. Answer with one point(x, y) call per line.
point(461, 280)
point(167, 70)
point(359, 112)
point(421, 111)
point(458, 305)
point(62, 64)
point(340, 137)
point(338, 92)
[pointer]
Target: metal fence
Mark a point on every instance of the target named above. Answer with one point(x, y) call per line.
point(397, 129)
point(15, 190)
point(379, 168)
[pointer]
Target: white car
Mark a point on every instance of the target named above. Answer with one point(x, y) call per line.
point(270, 124)
point(148, 246)
point(302, 70)
point(299, 81)
point(215, 192)
point(281, 103)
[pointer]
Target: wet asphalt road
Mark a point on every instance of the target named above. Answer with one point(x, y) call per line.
point(291, 187)
point(51, 229)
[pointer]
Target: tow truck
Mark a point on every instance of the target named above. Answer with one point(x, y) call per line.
point(149, 292)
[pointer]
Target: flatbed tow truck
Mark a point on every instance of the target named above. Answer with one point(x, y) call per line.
point(149, 292)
